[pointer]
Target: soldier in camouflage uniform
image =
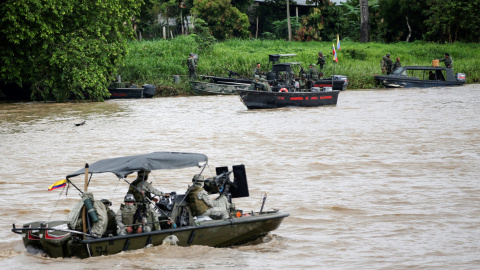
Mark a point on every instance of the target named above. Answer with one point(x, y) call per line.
point(112, 223)
point(397, 64)
point(202, 205)
point(383, 66)
point(140, 189)
point(257, 70)
point(448, 60)
point(128, 219)
point(192, 67)
point(266, 85)
point(321, 61)
point(75, 220)
point(389, 64)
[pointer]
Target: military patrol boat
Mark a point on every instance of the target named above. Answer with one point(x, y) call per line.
point(59, 239)
point(421, 76)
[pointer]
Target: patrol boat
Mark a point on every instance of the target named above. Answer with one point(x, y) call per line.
point(421, 76)
point(58, 239)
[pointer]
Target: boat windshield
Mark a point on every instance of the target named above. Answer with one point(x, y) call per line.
point(400, 72)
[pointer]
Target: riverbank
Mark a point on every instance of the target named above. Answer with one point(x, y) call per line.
point(157, 62)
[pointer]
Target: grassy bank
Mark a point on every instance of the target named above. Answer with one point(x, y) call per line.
point(156, 62)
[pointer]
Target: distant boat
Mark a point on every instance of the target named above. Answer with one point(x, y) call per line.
point(122, 90)
point(421, 76)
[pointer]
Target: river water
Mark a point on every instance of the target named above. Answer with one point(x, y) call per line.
point(387, 179)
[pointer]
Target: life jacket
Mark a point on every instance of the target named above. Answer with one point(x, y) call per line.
point(198, 206)
point(128, 215)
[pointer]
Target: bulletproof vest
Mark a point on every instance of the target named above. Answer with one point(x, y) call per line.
point(128, 215)
point(198, 206)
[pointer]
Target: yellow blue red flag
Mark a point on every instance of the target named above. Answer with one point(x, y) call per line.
point(58, 184)
point(334, 54)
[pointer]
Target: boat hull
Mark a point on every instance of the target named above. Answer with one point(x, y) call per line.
point(214, 233)
point(403, 82)
point(269, 100)
point(120, 93)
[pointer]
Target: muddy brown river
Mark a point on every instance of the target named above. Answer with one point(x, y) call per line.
point(387, 179)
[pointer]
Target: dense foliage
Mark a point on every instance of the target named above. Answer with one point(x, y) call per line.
point(64, 48)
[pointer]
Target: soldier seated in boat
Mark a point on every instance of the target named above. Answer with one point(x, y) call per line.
point(95, 212)
point(112, 223)
point(201, 203)
point(129, 218)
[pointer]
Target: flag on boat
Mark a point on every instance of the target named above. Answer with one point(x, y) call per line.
point(338, 43)
point(334, 54)
point(58, 184)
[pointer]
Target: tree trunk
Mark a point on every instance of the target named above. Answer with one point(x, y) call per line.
point(409, 30)
point(364, 25)
point(288, 20)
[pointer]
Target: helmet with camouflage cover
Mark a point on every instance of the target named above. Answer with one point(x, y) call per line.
point(129, 198)
point(198, 178)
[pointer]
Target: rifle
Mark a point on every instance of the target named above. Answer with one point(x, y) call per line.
point(231, 72)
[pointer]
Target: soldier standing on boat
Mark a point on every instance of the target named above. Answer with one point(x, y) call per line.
point(141, 189)
point(128, 219)
point(389, 64)
point(192, 66)
point(257, 70)
point(202, 205)
point(321, 61)
point(383, 66)
point(448, 60)
point(397, 64)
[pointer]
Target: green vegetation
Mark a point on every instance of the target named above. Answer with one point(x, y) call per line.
point(158, 61)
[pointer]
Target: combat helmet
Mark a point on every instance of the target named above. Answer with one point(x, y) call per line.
point(198, 178)
point(129, 198)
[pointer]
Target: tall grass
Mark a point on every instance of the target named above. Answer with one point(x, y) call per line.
point(156, 62)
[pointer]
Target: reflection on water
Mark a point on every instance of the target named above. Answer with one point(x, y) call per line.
point(385, 179)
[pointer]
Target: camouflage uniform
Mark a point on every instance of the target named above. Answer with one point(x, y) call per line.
point(202, 205)
point(388, 63)
point(257, 70)
point(321, 60)
point(126, 216)
point(383, 66)
point(266, 86)
point(448, 60)
point(147, 189)
point(313, 72)
point(192, 67)
point(397, 64)
point(75, 218)
point(112, 223)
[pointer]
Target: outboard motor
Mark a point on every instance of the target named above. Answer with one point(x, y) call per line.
point(149, 90)
point(337, 85)
point(461, 77)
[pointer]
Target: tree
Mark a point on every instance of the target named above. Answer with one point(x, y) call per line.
point(64, 48)
point(224, 20)
point(364, 22)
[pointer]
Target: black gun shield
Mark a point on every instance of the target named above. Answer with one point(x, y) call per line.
point(220, 170)
point(240, 176)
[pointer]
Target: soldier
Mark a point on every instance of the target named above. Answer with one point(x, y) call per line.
point(448, 60)
point(313, 72)
point(388, 63)
point(128, 218)
point(321, 60)
point(202, 205)
point(266, 86)
point(383, 66)
point(397, 64)
point(141, 190)
point(257, 70)
point(192, 66)
point(253, 85)
point(112, 223)
point(75, 217)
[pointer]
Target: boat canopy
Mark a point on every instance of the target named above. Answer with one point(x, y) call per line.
point(123, 166)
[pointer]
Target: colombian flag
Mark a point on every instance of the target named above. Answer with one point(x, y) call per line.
point(334, 54)
point(58, 184)
point(338, 43)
